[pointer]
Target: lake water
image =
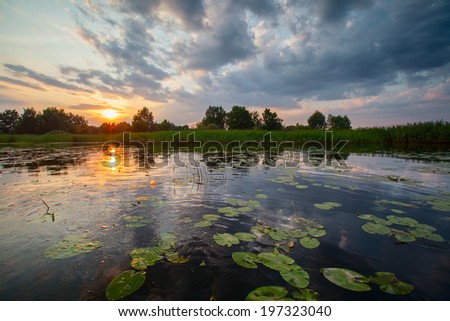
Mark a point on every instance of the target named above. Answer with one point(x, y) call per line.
point(117, 208)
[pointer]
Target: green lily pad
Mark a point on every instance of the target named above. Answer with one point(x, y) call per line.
point(439, 204)
point(236, 202)
point(374, 228)
point(253, 204)
point(72, 245)
point(135, 221)
point(346, 279)
point(211, 217)
point(425, 227)
point(389, 283)
point(295, 276)
point(225, 239)
point(434, 237)
point(229, 211)
point(246, 259)
point(297, 233)
point(244, 209)
point(403, 236)
point(327, 205)
point(309, 242)
point(397, 211)
point(275, 261)
point(139, 263)
point(278, 234)
point(316, 232)
point(261, 196)
point(176, 258)
point(305, 295)
point(406, 221)
point(246, 237)
point(151, 255)
point(203, 224)
point(167, 241)
point(301, 186)
point(397, 203)
point(124, 284)
point(268, 293)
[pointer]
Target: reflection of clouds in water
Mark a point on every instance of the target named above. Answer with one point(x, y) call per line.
point(343, 241)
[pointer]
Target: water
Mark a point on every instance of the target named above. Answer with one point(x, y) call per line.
point(97, 201)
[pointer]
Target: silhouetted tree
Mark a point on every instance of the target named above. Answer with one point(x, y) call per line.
point(8, 121)
point(338, 122)
point(271, 121)
point(121, 127)
point(317, 120)
point(165, 125)
point(143, 120)
point(239, 118)
point(256, 119)
point(214, 115)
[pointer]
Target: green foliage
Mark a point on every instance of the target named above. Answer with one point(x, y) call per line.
point(72, 245)
point(225, 239)
point(214, 115)
point(346, 279)
point(143, 120)
point(317, 120)
point(239, 118)
point(268, 293)
point(338, 122)
point(124, 284)
point(271, 121)
point(389, 283)
point(246, 259)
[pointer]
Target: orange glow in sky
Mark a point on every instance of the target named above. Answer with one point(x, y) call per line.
point(110, 114)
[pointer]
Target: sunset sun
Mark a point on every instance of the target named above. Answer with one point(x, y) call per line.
point(109, 113)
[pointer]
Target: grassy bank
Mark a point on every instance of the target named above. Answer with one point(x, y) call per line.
point(422, 134)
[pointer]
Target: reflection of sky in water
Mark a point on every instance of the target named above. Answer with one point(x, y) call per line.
point(86, 196)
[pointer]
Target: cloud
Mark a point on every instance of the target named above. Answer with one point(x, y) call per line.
point(20, 83)
point(93, 107)
point(191, 13)
point(22, 71)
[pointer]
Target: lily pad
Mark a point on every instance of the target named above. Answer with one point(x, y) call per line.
point(295, 276)
point(246, 237)
point(139, 263)
point(229, 211)
point(309, 242)
point(403, 236)
point(297, 233)
point(316, 232)
point(389, 283)
point(327, 205)
point(397, 211)
point(167, 241)
point(253, 204)
point(246, 259)
point(261, 196)
point(176, 258)
point(278, 235)
point(150, 254)
point(305, 295)
point(124, 284)
point(346, 279)
point(374, 228)
point(236, 202)
point(72, 245)
point(434, 237)
point(203, 224)
point(244, 209)
point(301, 186)
point(135, 221)
point(211, 217)
point(397, 203)
point(275, 261)
point(268, 293)
point(406, 221)
point(225, 239)
point(425, 227)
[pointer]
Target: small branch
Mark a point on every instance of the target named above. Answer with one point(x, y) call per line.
point(47, 212)
point(48, 207)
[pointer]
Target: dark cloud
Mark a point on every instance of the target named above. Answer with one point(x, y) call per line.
point(20, 83)
point(262, 8)
point(191, 13)
point(22, 71)
point(141, 7)
point(335, 11)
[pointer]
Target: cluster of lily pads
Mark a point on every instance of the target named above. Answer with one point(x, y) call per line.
point(327, 205)
point(308, 231)
point(154, 200)
point(412, 229)
point(131, 280)
point(228, 240)
point(72, 245)
point(135, 221)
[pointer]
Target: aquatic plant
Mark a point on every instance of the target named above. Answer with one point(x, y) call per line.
point(71, 245)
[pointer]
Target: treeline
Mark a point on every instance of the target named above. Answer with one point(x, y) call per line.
point(54, 119)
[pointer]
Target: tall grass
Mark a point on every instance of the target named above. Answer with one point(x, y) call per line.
point(428, 133)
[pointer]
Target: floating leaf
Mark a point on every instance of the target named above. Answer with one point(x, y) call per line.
point(301, 186)
point(397, 211)
point(246, 237)
point(72, 245)
point(268, 293)
point(236, 202)
point(253, 204)
point(374, 228)
point(440, 204)
point(403, 236)
point(261, 196)
point(124, 284)
point(225, 239)
point(211, 217)
point(297, 233)
point(316, 232)
point(305, 295)
point(278, 235)
point(275, 261)
point(167, 241)
point(244, 209)
point(135, 221)
point(139, 263)
point(295, 276)
point(425, 227)
point(397, 203)
point(229, 211)
point(309, 242)
point(150, 254)
point(203, 224)
point(176, 258)
point(407, 221)
point(245, 259)
point(327, 205)
point(434, 237)
point(389, 283)
point(346, 279)
point(259, 230)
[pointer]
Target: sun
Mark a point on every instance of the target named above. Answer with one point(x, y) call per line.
point(110, 113)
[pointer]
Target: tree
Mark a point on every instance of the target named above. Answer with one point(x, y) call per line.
point(106, 128)
point(256, 119)
point(239, 118)
point(166, 125)
point(214, 115)
point(28, 122)
point(338, 122)
point(8, 121)
point(76, 124)
point(143, 121)
point(121, 127)
point(317, 120)
point(53, 118)
point(271, 121)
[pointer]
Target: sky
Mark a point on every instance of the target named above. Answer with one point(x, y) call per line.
point(378, 62)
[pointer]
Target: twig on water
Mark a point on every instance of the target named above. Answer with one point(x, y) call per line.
point(47, 212)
